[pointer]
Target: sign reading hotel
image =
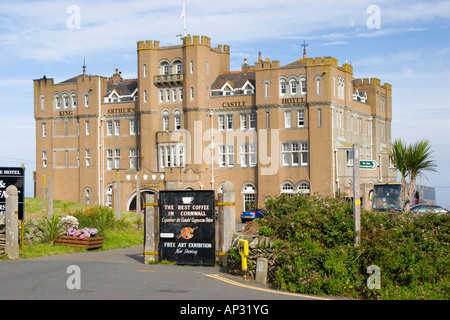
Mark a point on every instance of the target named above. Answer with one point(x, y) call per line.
point(8, 177)
point(186, 226)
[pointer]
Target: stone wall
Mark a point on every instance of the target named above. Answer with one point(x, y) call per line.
point(259, 247)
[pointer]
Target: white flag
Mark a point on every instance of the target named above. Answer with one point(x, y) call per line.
point(183, 13)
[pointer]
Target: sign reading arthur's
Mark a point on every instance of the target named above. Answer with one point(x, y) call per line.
point(186, 227)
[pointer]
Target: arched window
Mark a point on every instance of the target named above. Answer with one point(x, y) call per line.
point(57, 100)
point(74, 101)
point(303, 187)
point(164, 68)
point(87, 196)
point(287, 187)
point(165, 117)
point(249, 196)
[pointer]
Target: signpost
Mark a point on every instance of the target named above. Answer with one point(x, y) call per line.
point(186, 225)
point(12, 176)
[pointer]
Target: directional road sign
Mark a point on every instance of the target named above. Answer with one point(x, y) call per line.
point(367, 164)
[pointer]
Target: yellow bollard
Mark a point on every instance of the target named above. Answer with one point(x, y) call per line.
point(243, 251)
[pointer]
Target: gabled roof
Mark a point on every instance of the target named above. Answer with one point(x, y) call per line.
point(123, 88)
point(234, 79)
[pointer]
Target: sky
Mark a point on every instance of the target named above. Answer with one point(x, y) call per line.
point(405, 43)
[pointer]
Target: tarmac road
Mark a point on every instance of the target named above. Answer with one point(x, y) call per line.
point(121, 274)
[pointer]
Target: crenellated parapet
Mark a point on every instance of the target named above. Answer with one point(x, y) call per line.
point(148, 45)
point(371, 81)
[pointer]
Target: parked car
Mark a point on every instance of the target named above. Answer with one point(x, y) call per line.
point(425, 208)
point(251, 215)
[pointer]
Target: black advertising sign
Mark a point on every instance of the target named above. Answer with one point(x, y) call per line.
point(8, 177)
point(186, 226)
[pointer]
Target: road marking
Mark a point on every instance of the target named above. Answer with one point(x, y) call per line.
point(218, 277)
point(147, 270)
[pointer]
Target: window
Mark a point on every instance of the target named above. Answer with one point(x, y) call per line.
point(166, 123)
point(87, 156)
point(192, 93)
point(287, 119)
point(174, 94)
point(161, 95)
point(221, 122)
point(319, 117)
point(318, 87)
point(57, 102)
point(87, 127)
point(252, 117)
point(44, 129)
point(293, 86)
point(171, 155)
point(44, 159)
point(303, 85)
point(191, 64)
point(287, 187)
point(229, 122)
point(132, 127)
point(226, 155)
point(42, 102)
point(300, 118)
point(144, 70)
point(66, 102)
point(283, 88)
point(179, 67)
point(177, 119)
point(74, 101)
point(134, 158)
point(266, 90)
point(249, 197)
point(86, 100)
point(303, 188)
point(117, 127)
point(109, 128)
point(145, 96)
point(167, 95)
point(243, 121)
point(350, 157)
point(117, 158)
point(87, 196)
point(109, 159)
point(165, 68)
point(181, 94)
point(248, 155)
point(294, 154)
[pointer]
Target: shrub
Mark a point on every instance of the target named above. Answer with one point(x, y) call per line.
point(317, 255)
point(101, 218)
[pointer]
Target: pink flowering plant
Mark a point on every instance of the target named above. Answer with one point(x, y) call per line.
point(81, 233)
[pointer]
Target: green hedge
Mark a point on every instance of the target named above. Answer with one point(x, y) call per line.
point(317, 254)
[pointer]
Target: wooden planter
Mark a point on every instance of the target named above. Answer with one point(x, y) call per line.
point(87, 243)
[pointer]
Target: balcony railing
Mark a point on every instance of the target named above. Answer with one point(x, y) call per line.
point(169, 79)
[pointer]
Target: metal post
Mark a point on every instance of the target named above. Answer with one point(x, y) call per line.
point(356, 195)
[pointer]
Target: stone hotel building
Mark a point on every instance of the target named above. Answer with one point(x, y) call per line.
point(188, 122)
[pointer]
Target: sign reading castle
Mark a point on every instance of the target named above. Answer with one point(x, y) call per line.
point(186, 225)
point(9, 177)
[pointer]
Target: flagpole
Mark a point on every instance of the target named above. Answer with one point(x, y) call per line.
point(183, 16)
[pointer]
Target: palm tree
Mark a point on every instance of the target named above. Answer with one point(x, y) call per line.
point(418, 159)
point(411, 161)
point(398, 159)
